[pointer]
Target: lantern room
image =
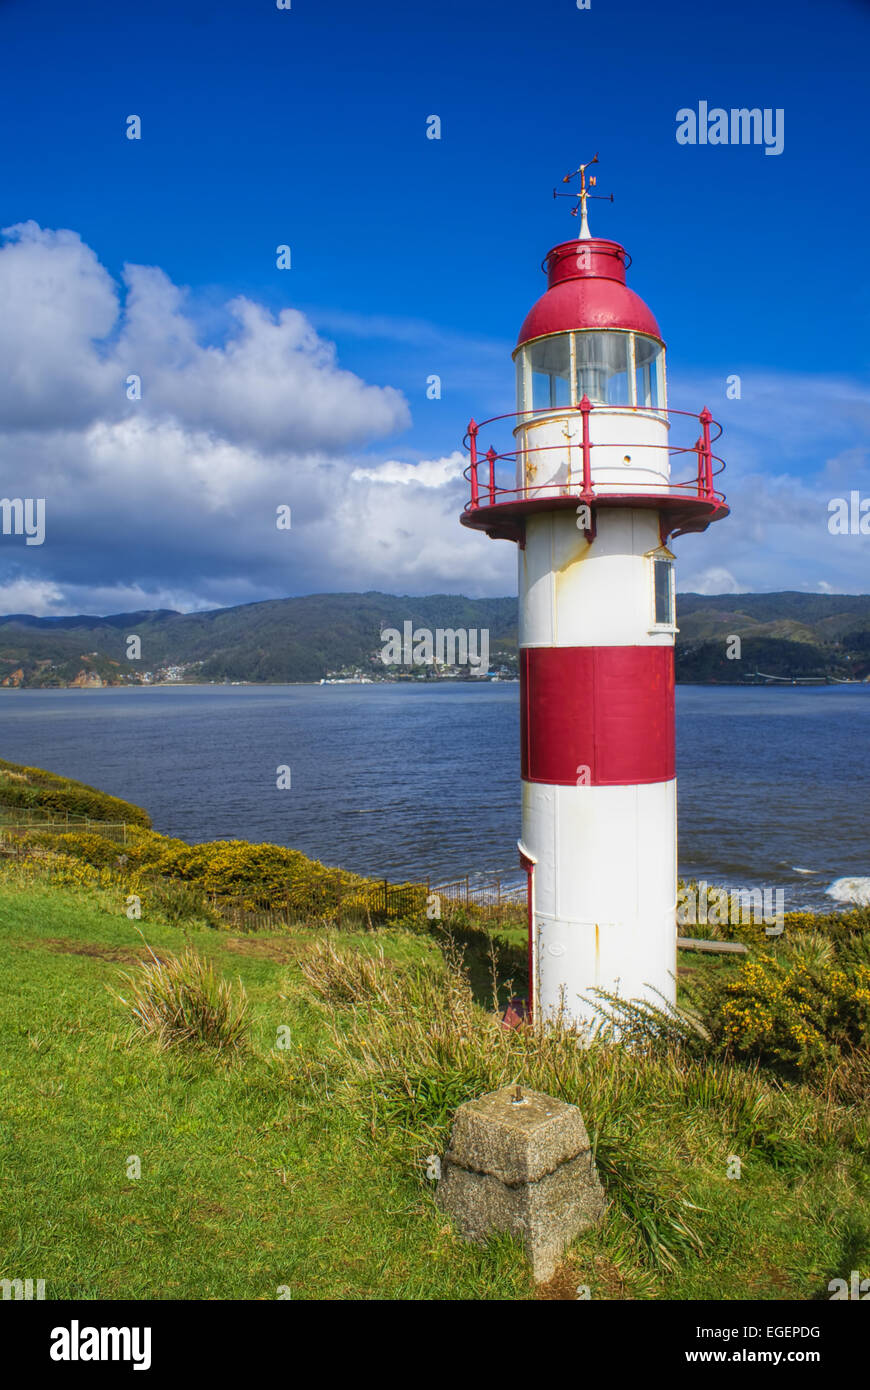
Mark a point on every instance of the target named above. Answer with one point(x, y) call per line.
point(589, 335)
point(591, 339)
point(592, 418)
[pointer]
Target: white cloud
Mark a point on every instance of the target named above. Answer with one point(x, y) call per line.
point(715, 580)
point(427, 473)
point(44, 599)
point(390, 539)
point(37, 596)
point(274, 383)
point(170, 501)
point(69, 344)
point(172, 498)
point(790, 444)
point(59, 305)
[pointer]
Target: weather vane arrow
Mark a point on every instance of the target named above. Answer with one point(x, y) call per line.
point(584, 233)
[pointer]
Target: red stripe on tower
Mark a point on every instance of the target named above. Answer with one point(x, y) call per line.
point(606, 709)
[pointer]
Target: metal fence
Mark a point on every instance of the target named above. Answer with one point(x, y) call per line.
point(24, 815)
point(331, 898)
point(491, 899)
point(339, 903)
point(110, 830)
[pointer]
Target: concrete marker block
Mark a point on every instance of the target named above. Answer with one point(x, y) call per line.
point(523, 1166)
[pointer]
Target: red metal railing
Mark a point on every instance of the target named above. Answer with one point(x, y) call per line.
point(699, 485)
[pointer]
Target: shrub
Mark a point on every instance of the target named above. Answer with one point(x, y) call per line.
point(180, 1001)
point(177, 902)
point(37, 789)
point(59, 869)
point(92, 849)
point(797, 1010)
point(647, 1027)
point(838, 925)
point(267, 876)
point(236, 867)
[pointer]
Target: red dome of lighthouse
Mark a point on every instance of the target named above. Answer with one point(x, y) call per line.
point(587, 289)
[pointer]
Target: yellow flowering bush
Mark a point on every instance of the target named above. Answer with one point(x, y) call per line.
point(58, 868)
point(33, 788)
point(255, 876)
point(792, 1009)
point(91, 849)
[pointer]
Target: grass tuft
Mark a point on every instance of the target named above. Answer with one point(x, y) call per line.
point(181, 1002)
point(342, 977)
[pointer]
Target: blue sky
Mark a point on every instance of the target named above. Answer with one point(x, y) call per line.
point(411, 256)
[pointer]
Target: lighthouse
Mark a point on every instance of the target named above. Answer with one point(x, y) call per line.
point(599, 476)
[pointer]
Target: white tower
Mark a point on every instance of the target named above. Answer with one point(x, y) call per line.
point(591, 506)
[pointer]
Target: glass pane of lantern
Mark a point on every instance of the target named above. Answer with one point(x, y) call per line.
point(602, 367)
point(649, 357)
point(643, 387)
point(551, 372)
point(657, 370)
point(522, 402)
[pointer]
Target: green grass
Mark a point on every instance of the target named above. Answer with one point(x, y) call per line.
point(243, 1188)
point(304, 1167)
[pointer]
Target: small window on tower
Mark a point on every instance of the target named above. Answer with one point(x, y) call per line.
point(663, 587)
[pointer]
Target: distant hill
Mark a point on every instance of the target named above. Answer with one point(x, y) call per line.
point(293, 639)
point(304, 639)
point(787, 634)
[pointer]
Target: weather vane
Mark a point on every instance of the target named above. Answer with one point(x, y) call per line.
point(584, 233)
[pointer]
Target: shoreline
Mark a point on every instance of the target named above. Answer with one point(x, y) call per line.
point(780, 684)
